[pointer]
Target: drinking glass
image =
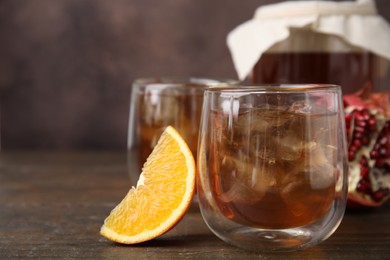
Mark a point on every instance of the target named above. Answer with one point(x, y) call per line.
point(272, 165)
point(159, 102)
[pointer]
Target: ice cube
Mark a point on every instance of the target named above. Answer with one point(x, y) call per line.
point(232, 169)
point(325, 129)
point(242, 123)
point(275, 116)
point(239, 192)
point(317, 166)
point(305, 181)
point(248, 182)
point(259, 124)
point(264, 176)
point(290, 145)
point(263, 146)
point(246, 122)
point(322, 166)
point(300, 107)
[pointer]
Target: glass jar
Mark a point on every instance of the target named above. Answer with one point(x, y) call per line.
point(311, 57)
point(305, 42)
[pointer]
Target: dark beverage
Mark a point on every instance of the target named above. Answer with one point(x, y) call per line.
point(181, 109)
point(350, 70)
point(287, 176)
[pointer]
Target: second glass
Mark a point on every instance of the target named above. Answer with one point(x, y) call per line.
point(159, 102)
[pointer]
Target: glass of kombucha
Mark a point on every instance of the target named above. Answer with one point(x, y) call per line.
point(157, 103)
point(272, 165)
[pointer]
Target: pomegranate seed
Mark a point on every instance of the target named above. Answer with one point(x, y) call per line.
point(374, 154)
point(352, 148)
point(363, 186)
point(361, 123)
point(364, 172)
point(383, 140)
point(357, 143)
point(380, 163)
point(383, 152)
point(363, 161)
point(359, 129)
point(359, 135)
point(365, 140)
point(348, 118)
point(366, 114)
point(372, 124)
point(380, 194)
point(358, 116)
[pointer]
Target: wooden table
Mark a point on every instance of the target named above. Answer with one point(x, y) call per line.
point(53, 204)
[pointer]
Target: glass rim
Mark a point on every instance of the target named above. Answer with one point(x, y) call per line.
point(276, 88)
point(184, 81)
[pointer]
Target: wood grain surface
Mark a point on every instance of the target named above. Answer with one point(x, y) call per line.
point(53, 204)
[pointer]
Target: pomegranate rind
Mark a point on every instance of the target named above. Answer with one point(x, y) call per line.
point(355, 200)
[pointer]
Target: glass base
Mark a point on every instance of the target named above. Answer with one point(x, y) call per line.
point(273, 240)
point(270, 240)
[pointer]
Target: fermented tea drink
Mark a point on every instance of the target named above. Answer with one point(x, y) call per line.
point(179, 107)
point(351, 70)
point(286, 178)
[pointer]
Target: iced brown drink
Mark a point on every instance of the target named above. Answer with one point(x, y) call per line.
point(178, 106)
point(286, 178)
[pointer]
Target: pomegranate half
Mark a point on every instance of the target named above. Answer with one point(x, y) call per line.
point(367, 118)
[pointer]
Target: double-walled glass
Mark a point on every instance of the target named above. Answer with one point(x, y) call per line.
point(159, 102)
point(272, 165)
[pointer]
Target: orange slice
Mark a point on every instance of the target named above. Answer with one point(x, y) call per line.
point(163, 194)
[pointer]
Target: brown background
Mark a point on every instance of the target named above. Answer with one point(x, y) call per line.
point(66, 66)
